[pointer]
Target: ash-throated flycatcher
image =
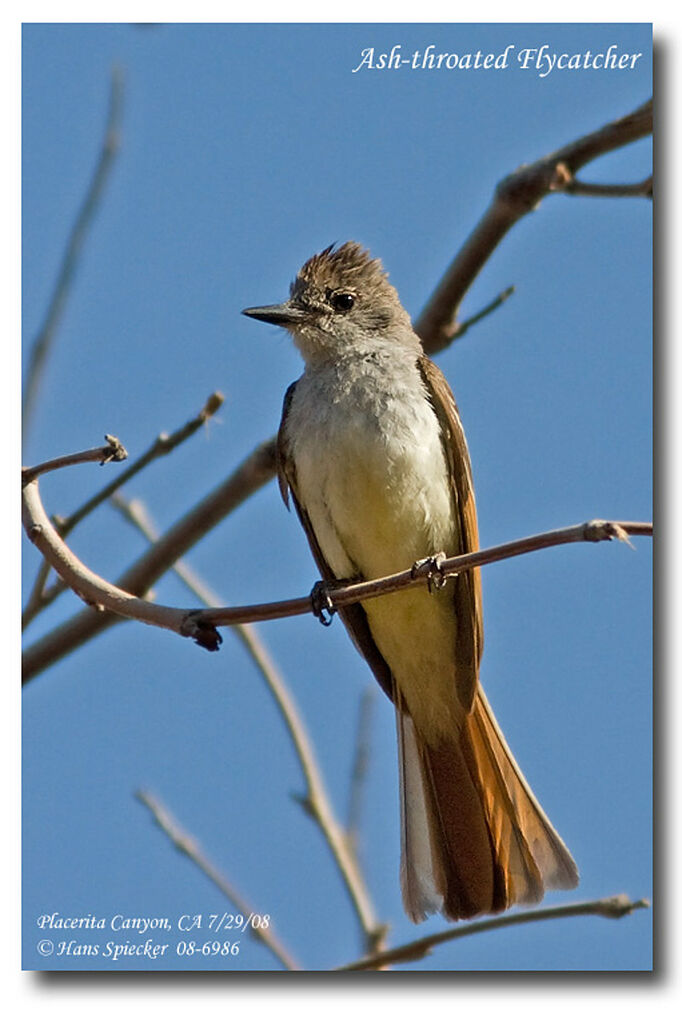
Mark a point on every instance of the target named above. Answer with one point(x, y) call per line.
point(373, 452)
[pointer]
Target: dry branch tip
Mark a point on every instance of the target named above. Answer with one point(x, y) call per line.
point(602, 529)
point(620, 906)
point(212, 405)
point(113, 451)
point(117, 452)
point(464, 325)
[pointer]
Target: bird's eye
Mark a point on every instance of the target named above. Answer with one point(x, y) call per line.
point(343, 301)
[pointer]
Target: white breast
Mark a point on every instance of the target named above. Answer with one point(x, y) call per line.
point(370, 468)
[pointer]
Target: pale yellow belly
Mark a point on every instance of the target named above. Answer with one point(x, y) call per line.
point(374, 517)
point(414, 630)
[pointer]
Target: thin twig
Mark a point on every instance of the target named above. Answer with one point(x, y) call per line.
point(190, 847)
point(113, 451)
point(515, 196)
point(613, 907)
point(316, 800)
point(360, 766)
point(164, 444)
point(45, 336)
point(645, 189)
point(464, 325)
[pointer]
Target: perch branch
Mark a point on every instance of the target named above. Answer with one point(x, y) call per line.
point(201, 625)
point(593, 531)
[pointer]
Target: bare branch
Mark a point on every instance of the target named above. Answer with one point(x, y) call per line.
point(316, 801)
point(40, 598)
point(593, 531)
point(360, 765)
point(613, 907)
point(186, 844)
point(645, 189)
point(254, 471)
point(201, 625)
point(317, 804)
point(113, 451)
point(515, 196)
point(135, 512)
point(164, 444)
point(45, 336)
point(95, 590)
point(464, 325)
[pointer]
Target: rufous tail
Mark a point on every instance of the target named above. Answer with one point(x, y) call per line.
point(474, 838)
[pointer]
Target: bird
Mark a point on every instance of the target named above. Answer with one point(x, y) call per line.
point(372, 451)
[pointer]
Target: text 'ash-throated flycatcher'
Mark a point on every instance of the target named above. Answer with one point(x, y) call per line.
point(373, 452)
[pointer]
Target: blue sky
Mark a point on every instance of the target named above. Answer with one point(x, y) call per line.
point(244, 150)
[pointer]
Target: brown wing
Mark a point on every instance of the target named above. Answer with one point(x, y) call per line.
point(467, 586)
point(353, 615)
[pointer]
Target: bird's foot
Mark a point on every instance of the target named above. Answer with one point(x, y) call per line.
point(431, 568)
point(323, 606)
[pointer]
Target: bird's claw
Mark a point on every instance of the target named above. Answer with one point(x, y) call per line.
point(323, 606)
point(432, 569)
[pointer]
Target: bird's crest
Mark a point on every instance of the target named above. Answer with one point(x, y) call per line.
point(347, 266)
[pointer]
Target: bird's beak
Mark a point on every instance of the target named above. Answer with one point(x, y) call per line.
point(284, 315)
